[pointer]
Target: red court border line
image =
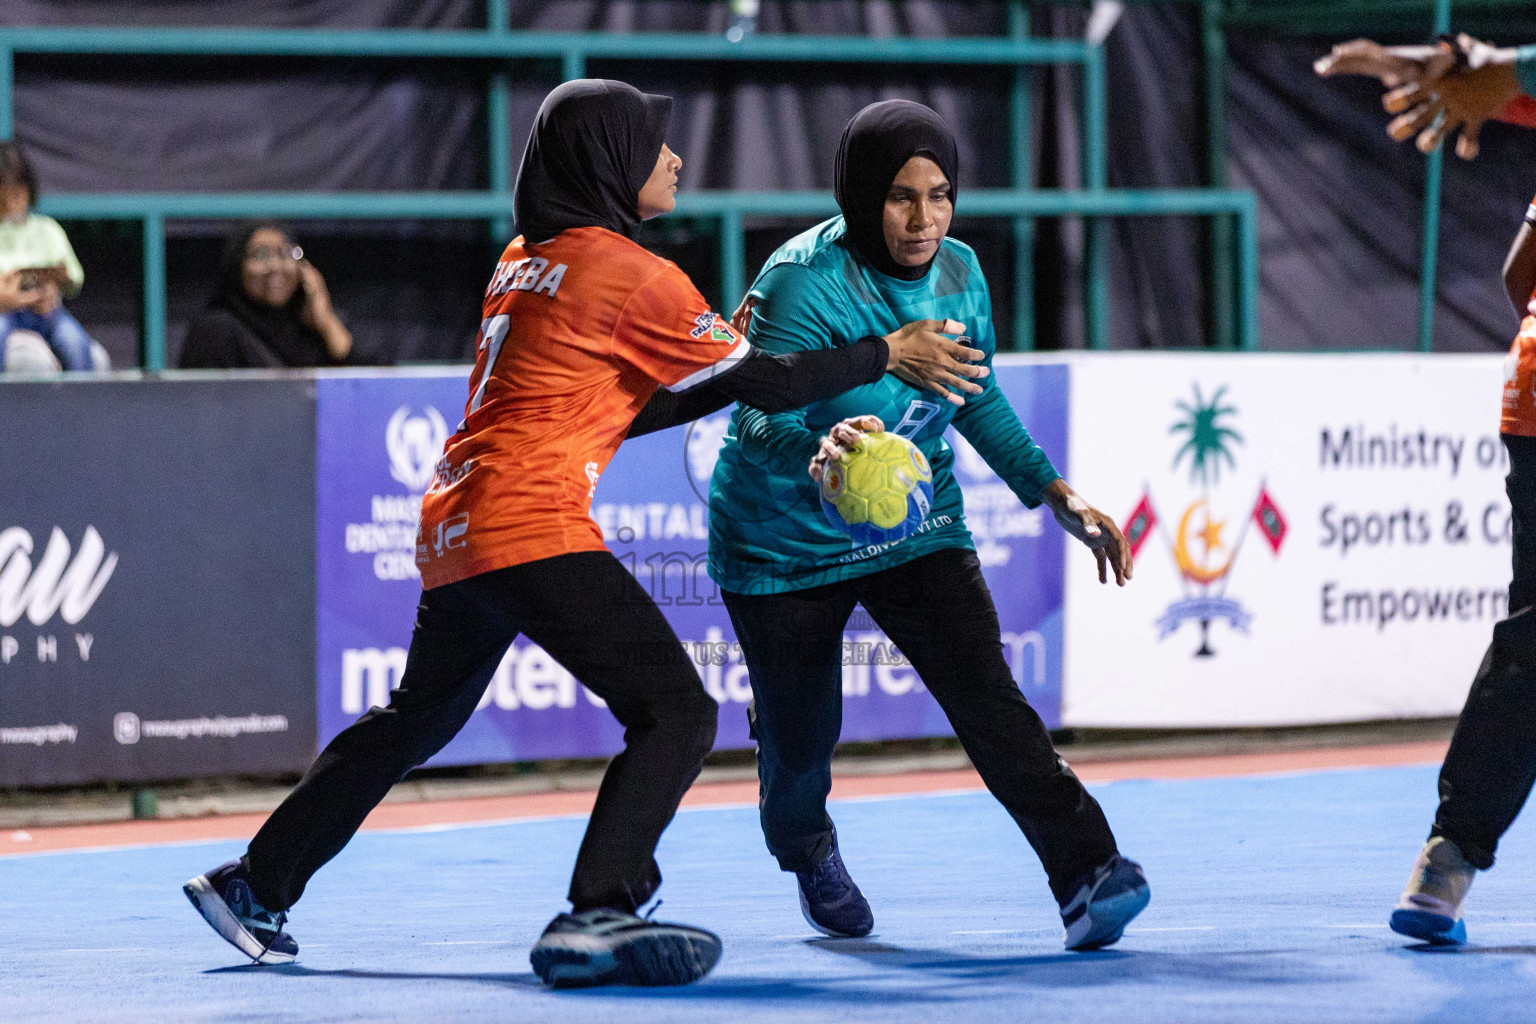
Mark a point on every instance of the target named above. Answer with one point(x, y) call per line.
point(479, 810)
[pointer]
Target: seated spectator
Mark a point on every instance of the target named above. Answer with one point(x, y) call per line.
point(38, 269)
point(271, 309)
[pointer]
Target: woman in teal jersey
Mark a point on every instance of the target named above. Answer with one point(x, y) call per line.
point(790, 580)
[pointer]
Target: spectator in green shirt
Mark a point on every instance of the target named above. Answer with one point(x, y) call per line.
point(38, 269)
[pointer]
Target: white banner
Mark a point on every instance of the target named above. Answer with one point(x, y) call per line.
point(1326, 537)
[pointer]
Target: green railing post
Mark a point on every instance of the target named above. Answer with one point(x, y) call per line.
point(733, 257)
point(7, 92)
point(1431, 240)
point(1215, 47)
point(573, 64)
point(1021, 147)
point(1095, 164)
point(497, 111)
point(1248, 276)
point(154, 291)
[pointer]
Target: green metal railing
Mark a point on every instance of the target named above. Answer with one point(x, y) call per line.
point(729, 208)
point(568, 54)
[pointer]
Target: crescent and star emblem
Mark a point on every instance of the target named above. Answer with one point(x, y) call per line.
point(1209, 536)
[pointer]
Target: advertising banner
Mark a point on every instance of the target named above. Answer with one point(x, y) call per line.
point(156, 580)
point(378, 440)
point(1319, 538)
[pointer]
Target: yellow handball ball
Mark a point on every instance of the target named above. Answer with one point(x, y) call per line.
point(878, 492)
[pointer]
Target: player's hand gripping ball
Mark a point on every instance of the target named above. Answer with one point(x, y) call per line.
point(879, 491)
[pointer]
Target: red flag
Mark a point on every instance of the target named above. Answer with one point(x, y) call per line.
point(1271, 523)
point(1139, 526)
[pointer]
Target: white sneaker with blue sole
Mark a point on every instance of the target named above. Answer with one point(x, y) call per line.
point(1430, 908)
point(1106, 900)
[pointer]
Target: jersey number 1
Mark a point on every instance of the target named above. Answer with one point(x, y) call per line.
point(493, 332)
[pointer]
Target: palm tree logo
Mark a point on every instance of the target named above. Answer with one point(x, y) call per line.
point(1200, 546)
point(1208, 439)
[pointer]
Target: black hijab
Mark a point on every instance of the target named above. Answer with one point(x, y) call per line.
point(235, 330)
point(592, 147)
point(876, 145)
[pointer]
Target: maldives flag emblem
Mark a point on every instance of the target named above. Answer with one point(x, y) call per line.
point(1139, 526)
point(1271, 523)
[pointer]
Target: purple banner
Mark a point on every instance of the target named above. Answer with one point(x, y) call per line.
point(378, 438)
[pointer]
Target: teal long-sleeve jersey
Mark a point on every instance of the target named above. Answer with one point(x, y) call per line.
point(767, 532)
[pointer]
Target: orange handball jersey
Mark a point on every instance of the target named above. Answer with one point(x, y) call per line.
point(578, 332)
point(1520, 379)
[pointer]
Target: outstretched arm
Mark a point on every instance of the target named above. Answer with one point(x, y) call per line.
point(1451, 86)
point(773, 383)
point(993, 428)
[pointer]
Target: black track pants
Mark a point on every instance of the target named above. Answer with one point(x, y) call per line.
point(938, 611)
point(594, 619)
point(1491, 765)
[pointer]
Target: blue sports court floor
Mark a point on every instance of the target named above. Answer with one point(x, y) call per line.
point(1270, 896)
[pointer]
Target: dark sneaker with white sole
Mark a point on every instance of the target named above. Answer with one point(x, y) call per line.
point(831, 902)
point(223, 896)
point(1103, 902)
point(610, 947)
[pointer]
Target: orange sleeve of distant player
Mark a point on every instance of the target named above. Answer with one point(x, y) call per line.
point(1519, 413)
point(668, 332)
point(1521, 110)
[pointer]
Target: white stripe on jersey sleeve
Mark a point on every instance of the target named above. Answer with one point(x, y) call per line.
point(714, 370)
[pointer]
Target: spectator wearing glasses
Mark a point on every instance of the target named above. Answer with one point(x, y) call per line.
point(271, 309)
point(38, 270)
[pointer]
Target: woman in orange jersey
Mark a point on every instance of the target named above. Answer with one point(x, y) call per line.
point(581, 327)
point(1489, 770)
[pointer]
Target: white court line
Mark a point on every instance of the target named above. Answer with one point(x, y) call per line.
point(469, 942)
point(998, 931)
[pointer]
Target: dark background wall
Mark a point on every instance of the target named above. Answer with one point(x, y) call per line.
point(1339, 203)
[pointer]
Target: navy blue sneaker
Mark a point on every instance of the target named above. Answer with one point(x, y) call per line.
point(1103, 902)
point(831, 902)
point(223, 896)
point(610, 947)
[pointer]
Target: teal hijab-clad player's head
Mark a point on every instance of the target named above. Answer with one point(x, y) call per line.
point(876, 145)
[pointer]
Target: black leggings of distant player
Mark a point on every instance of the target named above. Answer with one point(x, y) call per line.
point(939, 613)
point(1491, 765)
point(592, 617)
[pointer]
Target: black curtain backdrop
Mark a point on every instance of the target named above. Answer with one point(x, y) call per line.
point(1339, 204)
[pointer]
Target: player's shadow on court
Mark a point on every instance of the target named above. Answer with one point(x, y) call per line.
point(736, 988)
point(1110, 966)
point(946, 974)
point(1425, 947)
point(525, 980)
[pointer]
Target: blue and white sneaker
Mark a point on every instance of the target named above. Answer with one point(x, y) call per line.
point(610, 947)
point(1103, 903)
point(1430, 908)
point(223, 896)
point(831, 902)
